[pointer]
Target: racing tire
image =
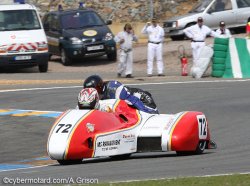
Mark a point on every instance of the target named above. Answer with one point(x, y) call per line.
point(217, 73)
point(221, 41)
point(219, 67)
point(220, 54)
point(219, 47)
point(66, 61)
point(112, 56)
point(217, 60)
point(120, 157)
point(43, 68)
point(69, 162)
point(199, 149)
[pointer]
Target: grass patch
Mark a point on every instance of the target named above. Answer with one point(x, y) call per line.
point(231, 180)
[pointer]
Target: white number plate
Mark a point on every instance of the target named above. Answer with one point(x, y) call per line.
point(202, 122)
point(97, 47)
point(22, 57)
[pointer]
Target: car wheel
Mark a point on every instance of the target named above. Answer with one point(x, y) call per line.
point(43, 68)
point(64, 58)
point(112, 56)
point(199, 149)
point(69, 162)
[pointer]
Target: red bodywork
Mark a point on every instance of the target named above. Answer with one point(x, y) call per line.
point(123, 117)
point(185, 135)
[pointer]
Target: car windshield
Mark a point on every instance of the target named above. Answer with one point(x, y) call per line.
point(243, 3)
point(19, 20)
point(78, 20)
point(201, 6)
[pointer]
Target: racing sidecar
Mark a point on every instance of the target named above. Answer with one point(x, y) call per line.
point(81, 134)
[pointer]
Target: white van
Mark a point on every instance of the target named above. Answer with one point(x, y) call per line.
point(23, 41)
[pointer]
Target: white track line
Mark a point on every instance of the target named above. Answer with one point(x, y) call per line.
point(235, 61)
point(45, 111)
point(160, 83)
point(30, 89)
point(33, 167)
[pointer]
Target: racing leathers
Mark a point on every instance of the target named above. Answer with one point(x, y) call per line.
point(141, 100)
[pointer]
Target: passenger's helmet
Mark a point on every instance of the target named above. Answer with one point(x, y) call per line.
point(88, 98)
point(94, 81)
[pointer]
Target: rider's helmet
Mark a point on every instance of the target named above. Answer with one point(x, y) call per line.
point(88, 98)
point(94, 81)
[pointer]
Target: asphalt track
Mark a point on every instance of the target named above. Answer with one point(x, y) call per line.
point(226, 105)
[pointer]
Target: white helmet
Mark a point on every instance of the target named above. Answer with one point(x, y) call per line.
point(88, 98)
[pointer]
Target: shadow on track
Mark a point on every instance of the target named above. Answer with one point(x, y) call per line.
point(134, 156)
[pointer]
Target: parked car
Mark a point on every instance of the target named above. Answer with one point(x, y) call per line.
point(78, 33)
point(234, 12)
point(23, 41)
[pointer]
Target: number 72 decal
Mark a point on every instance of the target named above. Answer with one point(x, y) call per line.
point(63, 128)
point(202, 123)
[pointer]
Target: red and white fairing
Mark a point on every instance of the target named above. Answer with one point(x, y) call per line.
point(80, 134)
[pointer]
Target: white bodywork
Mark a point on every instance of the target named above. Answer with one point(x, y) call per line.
point(112, 143)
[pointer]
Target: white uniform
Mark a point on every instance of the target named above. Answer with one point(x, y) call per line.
point(126, 54)
point(198, 36)
point(225, 33)
point(155, 40)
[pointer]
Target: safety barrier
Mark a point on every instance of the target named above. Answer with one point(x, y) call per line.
point(219, 57)
point(231, 58)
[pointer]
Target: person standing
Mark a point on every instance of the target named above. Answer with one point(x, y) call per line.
point(223, 31)
point(125, 39)
point(198, 33)
point(155, 39)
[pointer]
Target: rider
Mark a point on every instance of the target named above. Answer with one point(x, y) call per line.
point(88, 98)
point(142, 100)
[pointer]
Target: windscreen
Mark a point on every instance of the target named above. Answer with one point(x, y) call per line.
point(19, 20)
point(201, 6)
point(80, 20)
point(243, 3)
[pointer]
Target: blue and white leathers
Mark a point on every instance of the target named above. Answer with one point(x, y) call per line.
point(116, 90)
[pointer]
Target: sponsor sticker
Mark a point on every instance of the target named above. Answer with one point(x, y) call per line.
point(109, 143)
point(128, 138)
point(89, 33)
point(90, 127)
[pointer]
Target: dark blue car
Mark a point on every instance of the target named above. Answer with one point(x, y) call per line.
point(75, 34)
